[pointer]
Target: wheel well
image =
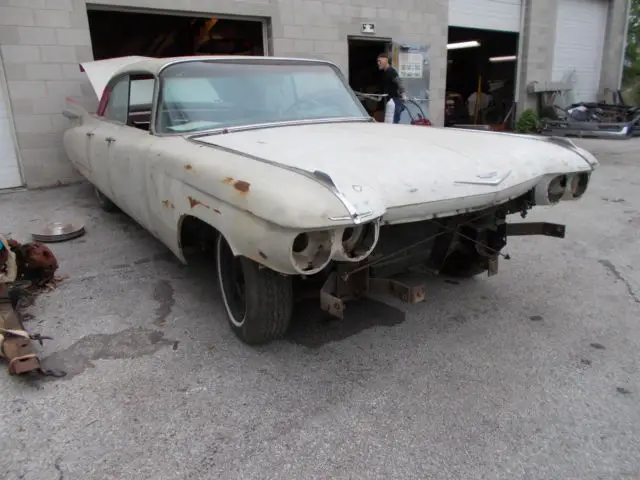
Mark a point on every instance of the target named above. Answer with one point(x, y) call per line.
point(197, 239)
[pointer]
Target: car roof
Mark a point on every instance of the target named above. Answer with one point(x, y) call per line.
point(101, 72)
point(155, 65)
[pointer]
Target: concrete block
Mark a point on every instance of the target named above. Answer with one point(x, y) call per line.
point(43, 71)
point(26, 3)
point(282, 45)
point(15, 71)
point(52, 18)
point(33, 123)
point(29, 140)
point(79, 19)
point(48, 106)
point(16, 16)
point(64, 88)
point(72, 72)
point(322, 33)
point(73, 36)
point(293, 31)
point(22, 106)
point(84, 53)
point(303, 46)
point(325, 46)
point(36, 36)
point(368, 13)
point(44, 167)
point(400, 15)
point(20, 53)
point(385, 13)
point(334, 10)
point(64, 54)
point(9, 35)
point(59, 5)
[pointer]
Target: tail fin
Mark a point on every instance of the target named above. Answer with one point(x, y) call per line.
point(73, 110)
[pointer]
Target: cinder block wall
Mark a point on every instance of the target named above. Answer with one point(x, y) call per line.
point(537, 56)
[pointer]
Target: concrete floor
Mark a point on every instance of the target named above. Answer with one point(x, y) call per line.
point(531, 374)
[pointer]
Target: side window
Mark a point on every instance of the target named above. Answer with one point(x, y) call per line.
point(141, 92)
point(118, 101)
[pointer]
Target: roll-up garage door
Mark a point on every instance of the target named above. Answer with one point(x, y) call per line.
point(502, 15)
point(580, 34)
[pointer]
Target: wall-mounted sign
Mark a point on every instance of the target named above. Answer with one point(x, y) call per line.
point(368, 28)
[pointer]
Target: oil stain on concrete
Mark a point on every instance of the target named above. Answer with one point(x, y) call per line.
point(127, 344)
point(312, 328)
point(163, 294)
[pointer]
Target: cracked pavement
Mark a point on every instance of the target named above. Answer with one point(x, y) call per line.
point(531, 374)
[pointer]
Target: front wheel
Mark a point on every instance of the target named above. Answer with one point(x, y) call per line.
point(258, 301)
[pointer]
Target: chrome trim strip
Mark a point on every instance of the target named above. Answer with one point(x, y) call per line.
point(259, 126)
point(318, 176)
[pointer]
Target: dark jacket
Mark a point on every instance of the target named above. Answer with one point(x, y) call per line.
point(391, 83)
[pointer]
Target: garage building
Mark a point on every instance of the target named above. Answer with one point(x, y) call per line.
point(519, 42)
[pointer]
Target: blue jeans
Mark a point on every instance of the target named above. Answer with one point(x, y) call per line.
point(399, 108)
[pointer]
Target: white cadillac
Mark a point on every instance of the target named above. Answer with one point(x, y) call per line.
point(274, 167)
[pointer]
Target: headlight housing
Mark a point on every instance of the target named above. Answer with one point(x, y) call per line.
point(312, 251)
point(554, 188)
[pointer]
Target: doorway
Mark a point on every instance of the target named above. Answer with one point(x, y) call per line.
point(364, 75)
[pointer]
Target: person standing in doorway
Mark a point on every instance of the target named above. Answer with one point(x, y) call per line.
point(392, 86)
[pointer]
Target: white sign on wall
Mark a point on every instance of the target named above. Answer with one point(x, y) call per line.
point(368, 28)
point(410, 65)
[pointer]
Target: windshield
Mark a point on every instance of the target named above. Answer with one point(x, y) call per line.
point(204, 95)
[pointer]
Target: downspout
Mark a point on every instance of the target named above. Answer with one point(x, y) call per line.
point(624, 44)
point(519, 60)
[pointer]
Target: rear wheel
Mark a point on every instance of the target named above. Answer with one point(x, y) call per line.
point(258, 301)
point(105, 204)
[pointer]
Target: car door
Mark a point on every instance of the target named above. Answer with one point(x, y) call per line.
point(113, 118)
point(121, 145)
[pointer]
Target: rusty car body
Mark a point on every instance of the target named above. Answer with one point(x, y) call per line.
point(274, 166)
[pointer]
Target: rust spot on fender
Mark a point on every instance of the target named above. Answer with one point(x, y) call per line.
point(194, 203)
point(262, 254)
point(242, 186)
point(228, 180)
point(168, 204)
point(188, 166)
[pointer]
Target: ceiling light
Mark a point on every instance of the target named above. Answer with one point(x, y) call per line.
point(510, 58)
point(456, 46)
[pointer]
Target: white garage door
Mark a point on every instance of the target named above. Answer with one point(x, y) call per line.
point(503, 15)
point(9, 170)
point(580, 34)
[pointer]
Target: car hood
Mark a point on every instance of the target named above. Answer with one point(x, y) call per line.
point(382, 167)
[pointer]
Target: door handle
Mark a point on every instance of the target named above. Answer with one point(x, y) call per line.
point(109, 139)
point(89, 134)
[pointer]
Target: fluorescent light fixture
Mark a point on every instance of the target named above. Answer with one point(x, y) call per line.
point(456, 46)
point(510, 58)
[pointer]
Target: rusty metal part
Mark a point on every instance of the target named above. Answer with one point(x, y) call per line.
point(16, 344)
point(492, 265)
point(340, 288)
point(536, 228)
point(329, 302)
point(406, 293)
point(58, 231)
